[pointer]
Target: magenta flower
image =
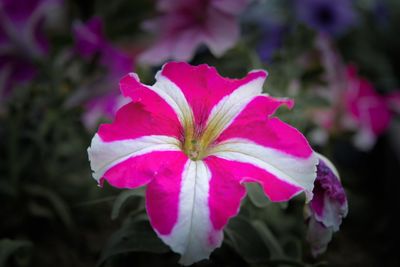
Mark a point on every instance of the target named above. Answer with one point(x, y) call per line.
point(366, 108)
point(186, 24)
point(90, 42)
point(194, 138)
point(327, 208)
point(22, 39)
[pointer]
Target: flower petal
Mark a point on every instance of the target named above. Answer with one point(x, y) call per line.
point(202, 87)
point(187, 227)
point(329, 205)
point(242, 102)
point(149, 114)
point(126, 163)
point(318, 236)
point(254, 125)
point(231, 6)
point(292, 170)
point(223, 31)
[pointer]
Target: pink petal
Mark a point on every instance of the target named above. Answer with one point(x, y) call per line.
point(178, 210)
point(203, 87)
point(140, 170)
point(233, 7)
point(114, 160)
point(365, 105)
point(226, 189)
point(282, 174)
point(162, 194)
point(222, 32)
point(149, 114)
point(250, 124)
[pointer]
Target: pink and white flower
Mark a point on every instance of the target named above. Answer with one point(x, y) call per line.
point(186, 24)
point(327, 208)
point(194, 138)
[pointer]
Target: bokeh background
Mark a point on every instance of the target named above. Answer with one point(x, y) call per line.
point(60, 64)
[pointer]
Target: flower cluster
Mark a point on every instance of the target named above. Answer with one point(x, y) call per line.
point(22, 40)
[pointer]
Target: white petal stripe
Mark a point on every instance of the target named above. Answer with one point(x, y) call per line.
point(294, 170)
point(174, 96)
point(189, 237)
point(104, 155)
point(231, 105)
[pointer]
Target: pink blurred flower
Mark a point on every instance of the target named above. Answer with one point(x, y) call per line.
point(194, 138)
point(366, 108)
point(186, 24)
point(90, 42)
point(22, 39)
point(327, 208)
point(354, 104)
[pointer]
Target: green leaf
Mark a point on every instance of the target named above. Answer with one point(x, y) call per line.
point(269, 239)
point(257, 196)
point(122, 198)
point(57, 203)
point(292, 247)
point(15, 248)
point(246, 241)
point(136, 235)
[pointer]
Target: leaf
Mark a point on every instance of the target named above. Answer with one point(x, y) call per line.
point(122, 198)
point(246, 241)
point(292, 247)
point(269, 239)
point(257, 196)
point(136, 235)
point(57, 203)
point(17, 248)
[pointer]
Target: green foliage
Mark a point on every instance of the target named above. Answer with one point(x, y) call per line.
point(15, 252)
point(135, 235)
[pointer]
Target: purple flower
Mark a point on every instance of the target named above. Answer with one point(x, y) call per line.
point(90, 42)
point(332, 17)
point(272, 39)
point(327, 208)
point(22, 39)
point(186, 24)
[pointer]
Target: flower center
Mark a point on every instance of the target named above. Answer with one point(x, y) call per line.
point(198, 141)
point(193, 149)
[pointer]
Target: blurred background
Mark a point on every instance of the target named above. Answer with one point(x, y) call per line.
point(60, 64)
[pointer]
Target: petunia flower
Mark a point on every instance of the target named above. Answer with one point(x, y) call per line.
point(354, 104)
point(331, 17)
point(90, 43)
point(22, 39)
point(186, 24)
point(366, 109)
point(194, 138)
point(327, 208)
